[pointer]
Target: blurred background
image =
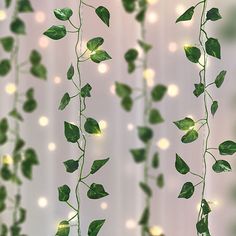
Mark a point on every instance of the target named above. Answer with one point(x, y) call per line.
point(168, 65)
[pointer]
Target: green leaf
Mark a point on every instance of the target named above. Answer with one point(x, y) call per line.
point(64, 193)
point(145, 134)
point(227, 148)
point(95, 43)
point(6, 173)
point(71, 165)
point(26, 168)
point(31, 156)
point(155, 160)
point(187, 191)
point(95, 227)
point(20, 143)
point(3, 193)
point(35, 57)
point(99, 56)
point(213, 14)
point(139, 155)
point(8, 3)
point(56, 32)
point(30, 105)
point(127, 103)
point(129, 5)
point(97, 165)
point(145, 46)
point(17, 26)
point(15, 114)
point(30, 93)
point(3, 230)
point(7, 43)
point(131, 55)
point(192, 53)
point(91, 126)
point(221, 166)
point(187, 15)
point(123, 90)
point(22, 216)
point(131, 67)
point(5, 67)
point(63, 229)
point(3, 138)
point(145, 217)
point(181, 166)
point(160, 181)
point(213, 48)
point(185, 124)
point(24, 6)
point(205, 207)
point(158, 92)
point(202, 225)
point(155, 117)
point(190, 136)
point(39, 71)
point(96, 191)
point(64, 101)
point(214, 107)
point(199, 89)
point(4, 125)
point(70, 72)
point(85, 91)
point(220, 78)
point(103, 14)
point(146, 189)
point(72, 132)
point(140, 17)
point(63, 13)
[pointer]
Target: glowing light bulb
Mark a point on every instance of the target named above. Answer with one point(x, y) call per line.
point(102, 124)
point(57, 80)
point(130, 224)
point(40, 17)
point(173, 90)
point(42, 202)
point(43, 42)
point(10, 88)
point(43, 121)
point(149, 74)
point(104, 205)
point(163, 144)
point(52, 147)
point(103, 68)
point(156, 231)
point(152, 2)
point(3, 15)
point(172, 47)
point(113, 89)
point(152, 17)
point(130, 126)
point(7, 159)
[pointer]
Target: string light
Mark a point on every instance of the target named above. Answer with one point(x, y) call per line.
point(152, 2)
point(172, 47)
point(7, 159)
point(163, 143)
point(42, 202)
point(113, 89)
point(43, 42)
point(130, 224)
point(40, 17)
point(3, 15)
point(103, 68)
point(43, 121)
point(130, 126)
point(104, 205)
point(149, 74)
point(10, 88)
point(52, 147)
point(57, 80)
point(156, 231)
point(152, 17)
point(102, 124)
point(173, 90)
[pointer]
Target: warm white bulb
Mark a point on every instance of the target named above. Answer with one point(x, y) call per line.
point(130, 224)
point(43, 121)
point(10, 88)
point(173, 90)
point(156, 231)
point(149, 74)
point(52, 147)
point(152, 17)
point(163, 144)
point(3, 15)
point(42, 202)
point(7, 159)
point(152, 2)
point(103, 68)
point(57, 80)
point(130, 126)
point(113, 89)
point(104, 205)
point(43, 42)
point(40, 17)
point(172, 47)
point(102, 124)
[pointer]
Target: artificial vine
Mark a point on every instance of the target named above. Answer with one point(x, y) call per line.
point(22, 159)
point(207, 46)
point(86, 125)
point(151, 115)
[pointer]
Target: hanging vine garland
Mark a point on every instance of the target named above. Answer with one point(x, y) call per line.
point(20, 163)
point(86, 125)
point(207, 46)
point(151, 115)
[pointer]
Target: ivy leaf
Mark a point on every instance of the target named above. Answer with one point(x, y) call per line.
point(64, 101)
point(158, 92)
point(160, 181)
point(95, 227)
point(20, 143)
point(205, 207)
point(187, 15)
point(72, 132)
point(129, 5)
point(63, 14)
point(15, 114)
point(131, 67)
point(140, 17)
point(3, 138)
point(145, 46)
point(30, 105)
point(97, 165)
point(202, 225)
point(227, 148)
point(96, 191)
point(56, 32)
point(221, 166)
point(31, 156)
point(39, 71)
point(5, 67)
point(187, 191)
point(220, 78)
point(127, 103)
point(145, 217)
point(63, 229)
point(24, 6)
point(3, 229)
point(146, 189)
point(123, 90)
point(213, 14)
point(26, 168)
point(22, 216)
point(35, 57)
point(139, 155)
point(71, 165)
point(99, 56)
point(192, 53)
point(131, 55)
point(3, 193)
point(64, 193)
point(214, 107)
point(145, 134)
point(181, 166)
point(91, 126)
point(4, 125)
point(6, 173)
point(30, 93)
point(155, 160)
point(85, 91)
point(103, 14)
point(199, 89)
point(8, 3)
point(70, 72)
point(95, 43)
point(7, 43)
point(190, 136)
point(213, 48)
point(155, 117)
point(185, 124)
point(17, 26)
